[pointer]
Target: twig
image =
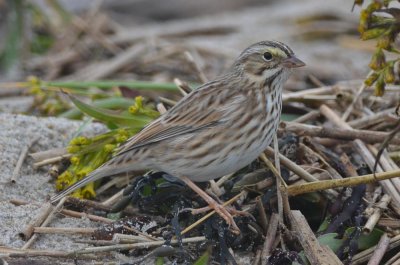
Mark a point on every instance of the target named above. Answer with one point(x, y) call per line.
point(202, 77)
point(336, 183)
point(379, 250)
point(371, 119)
point(29, 229)
point(51, 160)
point(315, 253)
point(21, 159)
point(45, 223)
point(113, 199)
point(48, 154)
point(10, 252)
point(91, 217)
point(309, 116)
point(64, 230)
point(141, 245)
point(336, 133)
point(348, 111)
point(376, 215)
point(269, 238)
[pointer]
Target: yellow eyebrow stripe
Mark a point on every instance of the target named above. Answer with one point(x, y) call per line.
point(277, 52)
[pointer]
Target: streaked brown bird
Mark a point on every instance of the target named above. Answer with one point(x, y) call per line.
point(215, 130)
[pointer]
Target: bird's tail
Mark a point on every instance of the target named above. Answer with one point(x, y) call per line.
point(101, 172)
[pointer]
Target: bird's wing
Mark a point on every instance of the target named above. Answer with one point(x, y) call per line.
point(197, 111)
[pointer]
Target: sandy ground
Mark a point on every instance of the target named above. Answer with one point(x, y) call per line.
point(33, 185)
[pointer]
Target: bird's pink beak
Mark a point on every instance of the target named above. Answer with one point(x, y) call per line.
point(293, 62)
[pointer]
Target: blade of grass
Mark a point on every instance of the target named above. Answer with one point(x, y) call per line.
point(110, 117)
point(107, 84)
point(107, 103)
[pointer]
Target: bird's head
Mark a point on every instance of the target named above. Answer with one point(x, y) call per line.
point(266, 59)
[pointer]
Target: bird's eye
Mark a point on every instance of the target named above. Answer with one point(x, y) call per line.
point(267, 56)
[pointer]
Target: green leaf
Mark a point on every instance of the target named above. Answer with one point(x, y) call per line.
point(366, 240)
point(203, 260)
point(111, 117)
point(331, 241)
point(107, 103)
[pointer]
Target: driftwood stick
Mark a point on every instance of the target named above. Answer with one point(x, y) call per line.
point(376, 215)
point(29, 229)
point(379, 250)
point(336, 133)
point(64, 230)
point(22, 156)
point(60, 204)
point(269, 238)
point(315, 253)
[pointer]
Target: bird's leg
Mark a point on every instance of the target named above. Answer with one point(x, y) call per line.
point(219, 209)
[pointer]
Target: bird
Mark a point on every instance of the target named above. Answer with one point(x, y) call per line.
point(215, 130)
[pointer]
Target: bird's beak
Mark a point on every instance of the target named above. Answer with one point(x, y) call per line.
point(293, 62)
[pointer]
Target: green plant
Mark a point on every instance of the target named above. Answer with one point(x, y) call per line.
point(380, 21)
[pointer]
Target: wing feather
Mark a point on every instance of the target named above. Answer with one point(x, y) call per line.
point(179, 120)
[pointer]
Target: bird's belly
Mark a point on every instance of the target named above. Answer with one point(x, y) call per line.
point(221, 168)
point(214, 158)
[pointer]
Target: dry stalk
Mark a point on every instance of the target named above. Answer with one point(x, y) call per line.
point(22, 156)
point(379, 250)
point(356, 99)
point(340, 183)
point(315, 253)
point(29, 229)
point(64, 230)
point(336, 133)
point(48, 154)
point(113, 199)
point(309, 116)
point(141, 245)
point(196, 67)
point(299, 171)
point(376, 215)
point(45, 222)
point(371, 119)
point(51, 160)
point(269, 238)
